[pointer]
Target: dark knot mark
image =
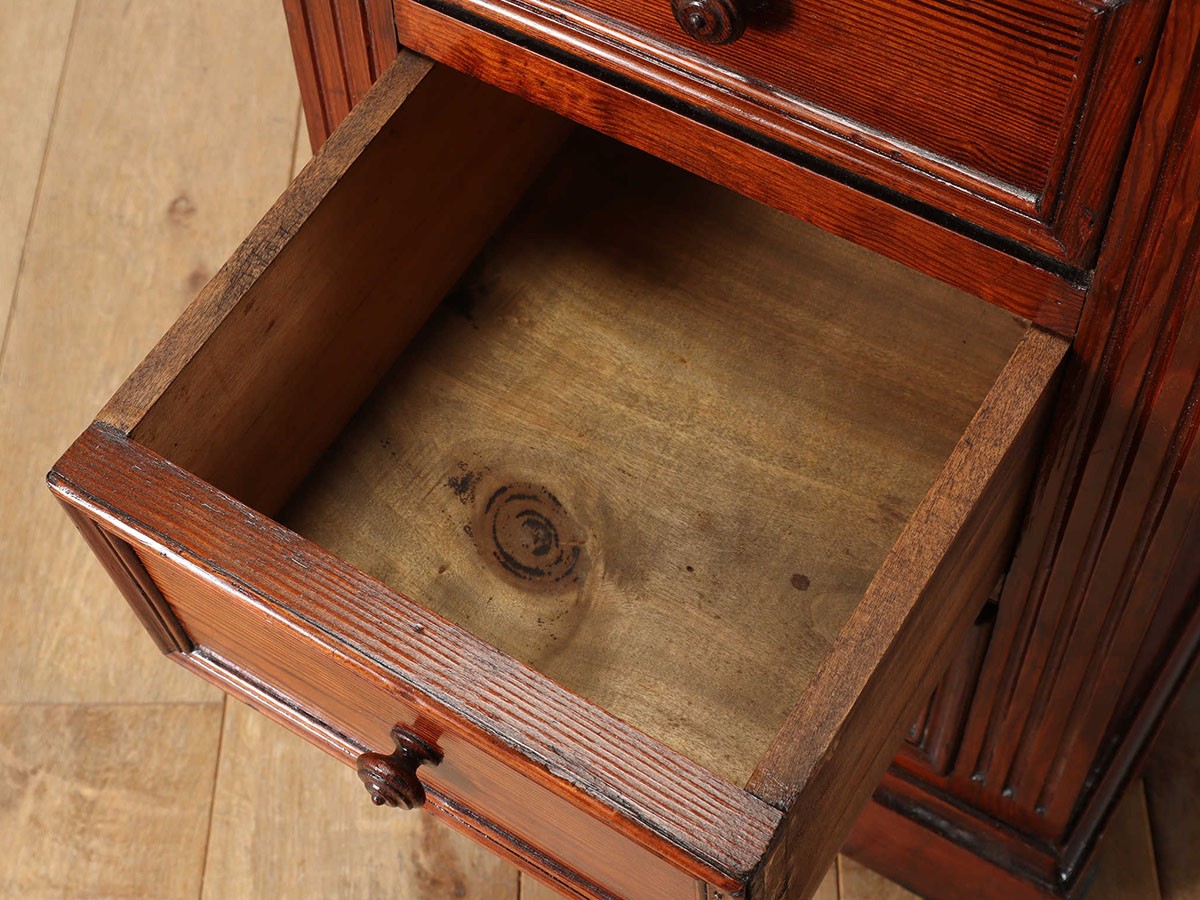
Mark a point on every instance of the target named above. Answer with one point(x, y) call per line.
point(524, 530)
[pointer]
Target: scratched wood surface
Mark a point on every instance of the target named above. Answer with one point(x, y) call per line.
point(108, 755)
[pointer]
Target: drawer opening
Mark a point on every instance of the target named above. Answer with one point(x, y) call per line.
point(655, 442)
point(731, 480)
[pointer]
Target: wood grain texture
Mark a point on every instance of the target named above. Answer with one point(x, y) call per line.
point(105, 801)
point(938, 248)
point(340, 48)
point(289, 822)
point(132, 218)
point(1133, 394)
point(261, 372)
point(595, 765)
point(29, 83)
point(917, 609)
point(878, 91)
point(1098, 620)
point(669, 376)
point(507, 799)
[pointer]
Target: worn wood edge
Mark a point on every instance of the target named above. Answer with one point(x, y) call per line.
point(838, 739)
point(262, 246)
point(1079, 218)
point(1038, 294)
point(130, 577)
point(673, 807)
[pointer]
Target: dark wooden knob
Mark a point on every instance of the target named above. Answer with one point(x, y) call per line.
point(711, 21)
point(391, 779)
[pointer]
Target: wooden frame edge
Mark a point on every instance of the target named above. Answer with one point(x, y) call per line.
point(126, 571)
point(113, 477)
point(869, 666)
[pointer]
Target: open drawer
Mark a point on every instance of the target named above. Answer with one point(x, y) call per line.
point(650, 513)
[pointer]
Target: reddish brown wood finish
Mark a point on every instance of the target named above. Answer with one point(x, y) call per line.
point(933, 739)
point(929, 864)
point(227, 677)
point(1014, 118)
point(1099, 618)
point(391, 778)
point(340, 47)
point(596, 797)
point(939, 250)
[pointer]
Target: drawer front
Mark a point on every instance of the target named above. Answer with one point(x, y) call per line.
point(348, 699)
point(1012, 115)
point(528, 768)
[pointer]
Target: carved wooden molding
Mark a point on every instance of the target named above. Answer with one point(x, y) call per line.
point(340, 47)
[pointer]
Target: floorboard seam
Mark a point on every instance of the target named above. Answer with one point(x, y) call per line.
point(37, 189)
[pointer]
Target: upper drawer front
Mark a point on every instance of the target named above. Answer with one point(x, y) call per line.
point(1011, 114)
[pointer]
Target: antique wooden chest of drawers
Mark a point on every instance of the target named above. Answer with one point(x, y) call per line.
point(628, 522)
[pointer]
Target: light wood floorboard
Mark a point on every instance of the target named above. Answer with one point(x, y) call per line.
point(105, 801)
point(28, 83)
point(1173, 797)
point(1126, 870)
point(857, 882)
point(289, 821)
point(176, 126)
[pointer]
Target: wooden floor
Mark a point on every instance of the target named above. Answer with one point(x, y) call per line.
point(142, 139)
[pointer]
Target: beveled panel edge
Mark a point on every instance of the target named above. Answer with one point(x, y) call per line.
point(980, 263)
point(125, 569)
point(905, 835)
point(670, 805)
point(228, 677)
point(1078, 188)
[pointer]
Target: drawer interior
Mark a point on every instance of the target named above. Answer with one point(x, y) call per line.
point(654, 438)
point(656, 442)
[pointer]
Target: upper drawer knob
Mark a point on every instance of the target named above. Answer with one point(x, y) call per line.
point(710, 21)
point(391, 779)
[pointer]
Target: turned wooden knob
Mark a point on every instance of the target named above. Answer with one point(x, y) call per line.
point(711, 21)
point(391, 779)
